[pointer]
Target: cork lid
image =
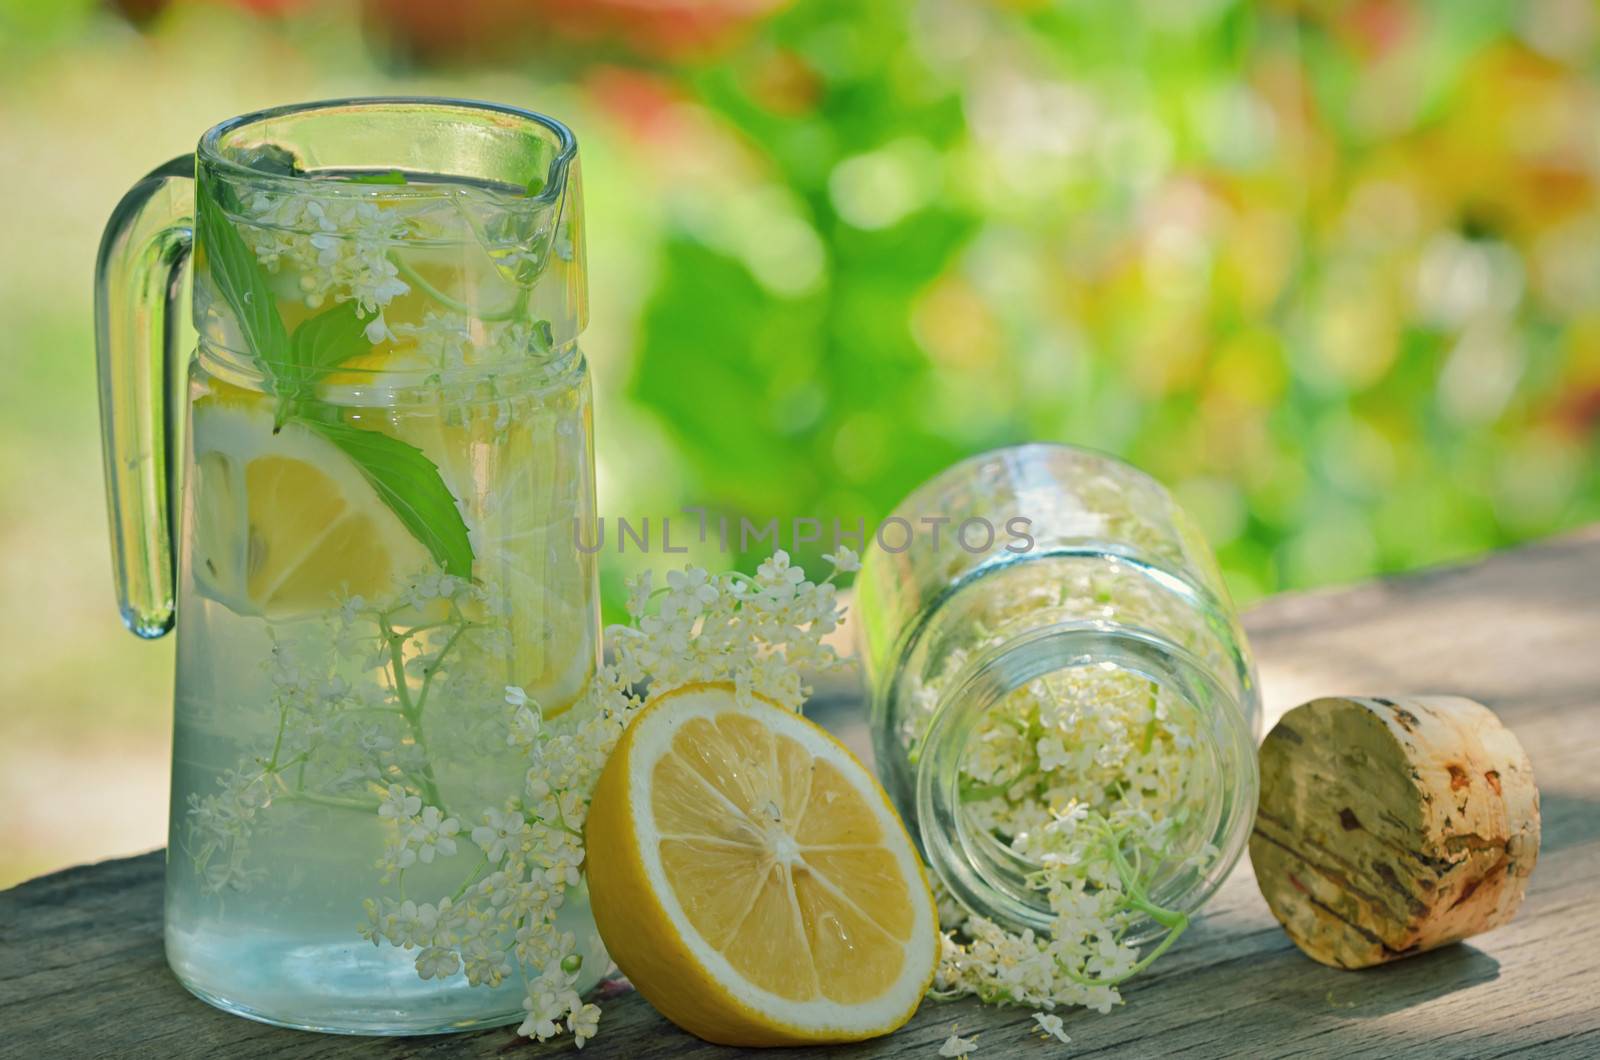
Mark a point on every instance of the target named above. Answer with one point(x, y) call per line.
point(1389, 826)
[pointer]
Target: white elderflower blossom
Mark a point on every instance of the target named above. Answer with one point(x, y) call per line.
point(778, 578)
point(526, 724)
point(487, 962)
point(399, 804)
point(1051, 1025)
point(499, 833)
point(437, 962)
point(584, 1023)
point(433, 834)
point(956, 1046)
point(337, 244)
point(845, 561)
point(689, 593)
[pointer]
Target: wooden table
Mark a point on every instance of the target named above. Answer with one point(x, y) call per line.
point(81, 970)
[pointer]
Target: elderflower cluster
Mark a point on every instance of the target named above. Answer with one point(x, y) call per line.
point(504, 914)
point(697, 627)
point(758, 632)
point(422, 833)
point(1089, 775)
point(343, 743)
point(220, 827)
point(336, 245)
point(442, 339)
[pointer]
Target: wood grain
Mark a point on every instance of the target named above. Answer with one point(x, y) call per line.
point(82, 975)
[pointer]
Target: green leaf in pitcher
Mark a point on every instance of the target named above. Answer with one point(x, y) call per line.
point(403, 478)
point(386, 176)
point(324, 342)
point(319, 345)
point(238, 278)
point(410, 484)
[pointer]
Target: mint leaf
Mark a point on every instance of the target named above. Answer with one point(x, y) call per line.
point(404, 479)
point(318, 346)
point(324, 342)
point(392, 176)
point(237, 276)
point(410, 484)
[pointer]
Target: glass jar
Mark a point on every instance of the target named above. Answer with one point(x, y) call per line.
point(1072, 584)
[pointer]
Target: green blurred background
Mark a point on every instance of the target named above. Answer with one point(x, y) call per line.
point(1331, 270)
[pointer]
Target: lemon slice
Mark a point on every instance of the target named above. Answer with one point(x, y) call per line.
point(523, 478)
point(283, 521)
point(750, 878)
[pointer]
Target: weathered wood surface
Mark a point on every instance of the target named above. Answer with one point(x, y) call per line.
point(82, 975)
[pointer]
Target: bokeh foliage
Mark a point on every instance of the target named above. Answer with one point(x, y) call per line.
point(1327, 269)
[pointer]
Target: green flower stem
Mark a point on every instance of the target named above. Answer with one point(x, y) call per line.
point(336, 802)
point(981, 792)
point(438, 664)
point(1136, 898)
point(1170, 919)
point(517, 308)
point(561, 822)
point(413, 632)
point(271, 765)
point(1149, 738)
point(410, 711)
point(297, 760)
point(472, 877)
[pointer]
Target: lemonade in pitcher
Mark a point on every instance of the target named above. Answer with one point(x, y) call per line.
point(382, 611)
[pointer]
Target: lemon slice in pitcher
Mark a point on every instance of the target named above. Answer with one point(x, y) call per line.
point(283, 521)
point(750, 878)
point(527, 472)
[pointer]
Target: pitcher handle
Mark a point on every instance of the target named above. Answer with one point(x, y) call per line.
point(138, 297)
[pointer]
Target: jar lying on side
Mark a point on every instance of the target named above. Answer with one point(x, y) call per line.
point(1057, 676)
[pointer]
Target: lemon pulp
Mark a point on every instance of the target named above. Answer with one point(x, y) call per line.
point(778, 862)
point(283, 521)
point(751, 879)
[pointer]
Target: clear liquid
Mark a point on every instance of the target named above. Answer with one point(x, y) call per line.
point(278, 939)
point(320, 670)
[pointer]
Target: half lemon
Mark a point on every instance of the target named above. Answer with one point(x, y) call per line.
point(751, 879)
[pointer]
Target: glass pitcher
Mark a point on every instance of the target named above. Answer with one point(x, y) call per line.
point(357, 499)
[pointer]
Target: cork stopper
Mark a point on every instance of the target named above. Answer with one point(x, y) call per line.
point(1387, 827)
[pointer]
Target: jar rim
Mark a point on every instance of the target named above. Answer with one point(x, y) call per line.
point(211, 153)
point(983, 873)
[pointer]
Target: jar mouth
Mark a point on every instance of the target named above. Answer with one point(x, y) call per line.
point(992, 879)
point(511, 145)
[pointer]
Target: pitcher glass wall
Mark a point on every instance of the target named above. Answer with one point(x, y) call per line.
point(357, 494)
